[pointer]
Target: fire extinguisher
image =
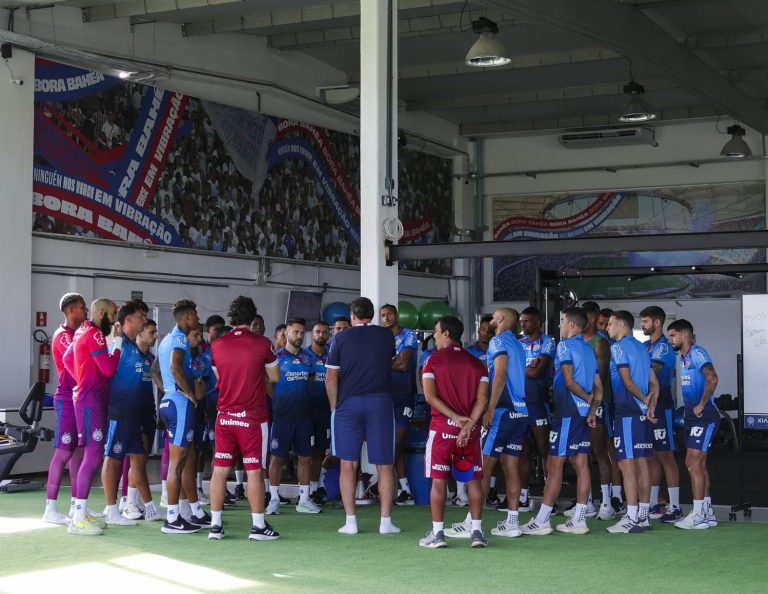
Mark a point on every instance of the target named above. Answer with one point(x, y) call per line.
point(44, 358)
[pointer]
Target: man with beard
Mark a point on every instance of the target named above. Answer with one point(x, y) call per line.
point(320, 410)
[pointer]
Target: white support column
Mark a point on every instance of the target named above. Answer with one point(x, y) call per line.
point(378, 281)
point(17, 133)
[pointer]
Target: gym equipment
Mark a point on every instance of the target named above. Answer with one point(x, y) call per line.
point(335, 310)
point(409, 315)
point(432, 311)
point(17, 440)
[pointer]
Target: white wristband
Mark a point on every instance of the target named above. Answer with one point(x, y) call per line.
point(117, 343)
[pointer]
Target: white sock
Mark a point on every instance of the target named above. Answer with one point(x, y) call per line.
point(523, 494)
point(164, 487)
point(616, 492)
point(172, 514)
point(303, 493)
point(387, 527)
point(239, 476)
point(437, 526)
point(215, 518)
point(258, 520)
point(589, 499)
point(643, 512)
point(150, 509)
point(461, 490)
point(707, 504)
point(274, 493)
point(698, 506)
point(545, 511)
point(266, 484)
point(468, 519)
point(477, 525)
point(313, 486)
point(674, 496)
point(50, 505)
point(184, 508)
point(200, 480)
point(197, 509)
point(493, 482)
point(580, 513)
point(654, 495)
point(632, 512)
point(72, 503)
point(81, 507)
point(322, 478)
point(605, 494)
point(350, 526)
point(512, 517)
point(404, 485)
point(133, 495)
point(112, 511)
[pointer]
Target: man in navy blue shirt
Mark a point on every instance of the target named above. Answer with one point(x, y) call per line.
point(359, 390)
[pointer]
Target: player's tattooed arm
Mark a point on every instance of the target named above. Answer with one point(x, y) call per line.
point(710, 378)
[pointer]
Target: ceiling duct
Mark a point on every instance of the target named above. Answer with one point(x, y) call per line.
point(609, 136)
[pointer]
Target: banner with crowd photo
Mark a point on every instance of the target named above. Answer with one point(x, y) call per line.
point(657, 211)
point(118, 160)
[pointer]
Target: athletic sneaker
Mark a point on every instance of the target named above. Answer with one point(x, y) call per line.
point(645, 523)
point(502, 506)
point(534, 528)
point(524, 505)
point(590, 513)
point(273, 507)
point(203, 521)
point(572, 527)
point(460, 502)
point(180, 526)
point(710, 517)
point(308, 507)
point(655, 513)
point(619, 506)
point(84, 528)
point(507, 528)
point(93, 514)
point(459, 530)
point(239, 491)
point(568, 512)
point(216, 532)
point(672, 515)
point(101, 522)
point(319, 496)
point(230, 501)
point(202, 497)
point(122, 504)
point(693, 521)
point(284, 500)
point(53, 517)
point(131, 511)
point(478, 540)
point(606, 512)
point(119, 520)
point(493, 497)
point(266, 533)
point(625, 526)
point(404, 498)
point(433, 540)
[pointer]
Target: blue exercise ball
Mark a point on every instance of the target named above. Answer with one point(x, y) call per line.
point(335, 310)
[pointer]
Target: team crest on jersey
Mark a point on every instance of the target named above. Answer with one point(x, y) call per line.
point(190, 435)
point(98, 435)
point(65, 339)
point(99, 338)
point(616, 351)
point(562, 349)
point(66, 439)
point(701, 356)
point(117, 448)
point(662, 349)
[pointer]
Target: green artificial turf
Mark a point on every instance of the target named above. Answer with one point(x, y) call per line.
point(312, 556)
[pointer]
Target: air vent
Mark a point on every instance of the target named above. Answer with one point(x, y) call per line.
point(601, 137)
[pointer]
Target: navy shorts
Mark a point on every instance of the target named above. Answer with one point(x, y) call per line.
point(148, 420)
point(364, 418)
point(506, 434)
point(403, 407)
point(321, 428)
point(291, 432)
point(124, 437)
point(633, 437)
point(698, 434)
point(178, 416)
point(201, 427)
point(570, 436)
point(664, 431)
point(211, 400)
point(538, 414)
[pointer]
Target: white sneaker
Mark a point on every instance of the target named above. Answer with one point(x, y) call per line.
point(273, 508)
point(119, 520)
point(625, 526)
point(51, 516)
point(131, 511)
point(84, 528)
point(572, 527)
point(202, 497)
point(710, 518)
point(534, 528)
point(591, 511)
point(93, 514)
point(459, 530)
point(606, 512)
point(307, 507)
point(693, 521)
point(459, 502)
point(122, 505)
point(507, 528)
point(645, 523)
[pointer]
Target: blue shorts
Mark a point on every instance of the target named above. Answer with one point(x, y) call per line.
point(664, 431)
point(403, 406)
point(604, 416)
point(178, 416)
point(66, 426)
point(364, 418)
point(506, 434)
point(633, 437)
point(698, 434)
point(201, 427)
point(123, 437)
point(291, 432)
point(321, 428)
point(570, 436)
point(538, 414)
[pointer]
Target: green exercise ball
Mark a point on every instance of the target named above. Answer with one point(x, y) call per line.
point(409, 315)
point(431, 312)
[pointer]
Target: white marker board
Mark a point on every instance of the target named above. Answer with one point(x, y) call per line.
point(754, 340)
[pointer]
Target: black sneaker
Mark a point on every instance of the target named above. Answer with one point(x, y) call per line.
point(502, 506)
point(204, 521)
point(216, 532)
point(571, 505)
point(404, 498)
point(555, 510)
point(493, 497)
point(524, 505)
point(618, 505)
point(239, 491)
point(318, 497)
point(266, 533)
point(284, 500)
point(229, 500)
point(179, 526)
point(373, 491)
point(478, 540)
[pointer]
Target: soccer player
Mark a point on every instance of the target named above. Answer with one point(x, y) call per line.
point(342, 323)
point(663, 360)
point(320, 410)
point(403, 392)
point(243, 362)
point(279, 337)
point(257, 326)
point(92, 366)
point(358, 383)
point(577, 394)
point(698, 380)
point(635, 390)
point(456, 387)
point(479, 348)
point(602, 322)
point(291, 418)
point(72, 305)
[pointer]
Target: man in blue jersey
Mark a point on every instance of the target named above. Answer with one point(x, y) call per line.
point(292, 418)
point(577, 392)
point(359, 386)
point(320, 410)
point(635, 390)
point(479, 348)
point(403, 392)
point(663, 359)
point(698, 381)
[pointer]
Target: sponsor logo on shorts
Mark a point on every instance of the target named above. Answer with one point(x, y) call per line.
point(66, 438)
point(212, 435)
point(552, 436)
point(222, 456)
point(441, 467)
point(98, 435)
point(275, 444)
point(697, 431)
point(233, 422)
point(251, 460)
point(407, 412)
point(643, 446)
point(165, 404)
point(518, 415)
point(190, 435)
point(660, 434)
point(541, 422)
point(449, 436)
point(516, 447)
point(581, 444)
point(240, 414)
point(452, 423)
point(498, 450)
point(117, 448)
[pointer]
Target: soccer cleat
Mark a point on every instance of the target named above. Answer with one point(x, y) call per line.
point(625, 526)
point(655, 513)
point(239, 491)
point(119, 520)
point(404, 498)
point(591, 512)
point(525, 505)
point(672, 515)
point(179, 526)
point(535, 528)
point(202, 497)
point(308, 507)
point(572, 527)
point(619, 507)
point(273, 508)
point(692, 521)
point(459, 530)
point(493, 497)
point(606, 512)
point(478, 540)
point(319, 496)
point(203, 521)
point(507, 528)
point(645, 523)
point(710, 517)
point(266, 533)
point(51, 516)
point(216, 532)
point(84, 528)
point(131, 511)
point(433, 540)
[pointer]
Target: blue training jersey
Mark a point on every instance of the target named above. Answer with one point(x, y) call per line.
point(404, 382)
point(577, 353)
point(663, 354)
point(692, 382)
point(476, 351)
point(424, 357)
point(537, 390)
point(291, 398)
point(513, 396)
point(317, 393)
point(132, 382)
point(175, 340)
point(629, 353)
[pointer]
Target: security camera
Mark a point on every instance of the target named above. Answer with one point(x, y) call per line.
point(17, 81)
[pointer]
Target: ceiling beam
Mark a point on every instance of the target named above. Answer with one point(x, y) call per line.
point(133, 8)
point(728, 39)
point(627, 30)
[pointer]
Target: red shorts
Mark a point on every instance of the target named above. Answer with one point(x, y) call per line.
point(440, 445)
point(240, 435)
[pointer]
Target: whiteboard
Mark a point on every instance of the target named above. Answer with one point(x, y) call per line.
point(754, 341)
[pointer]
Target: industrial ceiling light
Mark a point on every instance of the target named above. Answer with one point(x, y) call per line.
point(736, 147)
point(487, 50)
point(636, 109)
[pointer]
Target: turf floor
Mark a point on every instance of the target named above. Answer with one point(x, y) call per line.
point(311, 556)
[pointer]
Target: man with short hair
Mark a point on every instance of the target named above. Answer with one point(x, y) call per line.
point(257, 326)
point(359, 388)
point(244, 362)
point(456, 387)
point(72, 305)
point(339, 325)
point(479, 348)
point(663, 359)
point(279, 337)
point(602, 322)
point(320, 410)
point(698, 380)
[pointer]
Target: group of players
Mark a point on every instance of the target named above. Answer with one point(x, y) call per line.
point(255, 401)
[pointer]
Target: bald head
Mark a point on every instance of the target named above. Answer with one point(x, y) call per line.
point(504, 318)
point(104, 314)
